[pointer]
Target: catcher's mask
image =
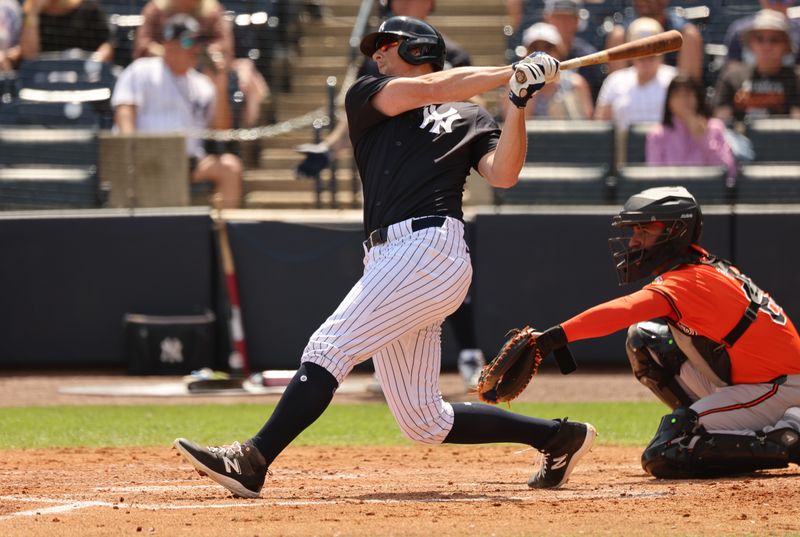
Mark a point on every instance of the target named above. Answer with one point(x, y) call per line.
point(677, 210)
point(420, 43)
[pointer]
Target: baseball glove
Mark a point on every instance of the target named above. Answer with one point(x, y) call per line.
point(510, 372)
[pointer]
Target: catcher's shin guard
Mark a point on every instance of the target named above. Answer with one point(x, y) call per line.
point(683, 449)
point(656, 360)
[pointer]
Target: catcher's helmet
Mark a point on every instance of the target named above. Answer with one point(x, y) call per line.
point(420, 43)
point(672, 206)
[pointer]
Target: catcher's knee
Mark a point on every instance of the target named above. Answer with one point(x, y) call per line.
point(656, 361)
point(682, 448)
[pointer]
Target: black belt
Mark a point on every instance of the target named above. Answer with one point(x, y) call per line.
point(381, 235)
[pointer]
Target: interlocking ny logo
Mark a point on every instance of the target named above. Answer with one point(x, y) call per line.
point(558, 462)
point(171, 351)
point(232, 465)
point(440, 121)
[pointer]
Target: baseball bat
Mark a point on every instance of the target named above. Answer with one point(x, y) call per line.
point(238, 360)
point(646, 46)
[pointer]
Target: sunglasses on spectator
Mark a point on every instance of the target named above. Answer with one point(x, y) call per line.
point(385, 43)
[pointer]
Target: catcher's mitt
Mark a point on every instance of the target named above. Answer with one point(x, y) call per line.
point(510, 372)
point(504, 378)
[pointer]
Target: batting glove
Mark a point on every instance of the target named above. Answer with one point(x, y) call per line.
point(530, 75)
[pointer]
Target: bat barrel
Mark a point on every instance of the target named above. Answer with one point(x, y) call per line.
point(647, 46)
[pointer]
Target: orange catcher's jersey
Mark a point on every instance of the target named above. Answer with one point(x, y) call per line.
point(709, 300)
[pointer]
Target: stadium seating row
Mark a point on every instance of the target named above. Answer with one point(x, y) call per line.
point(574, 162)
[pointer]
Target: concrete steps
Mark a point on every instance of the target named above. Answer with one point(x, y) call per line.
point(323, 51)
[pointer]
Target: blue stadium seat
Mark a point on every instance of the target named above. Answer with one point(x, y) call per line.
point(46, 187)
point(568, 161)
point(775, 139)
point(636, 143)
point(26, 145)
point(551, 184)
point(707, 183)
point(50, 114)
point(769, 183)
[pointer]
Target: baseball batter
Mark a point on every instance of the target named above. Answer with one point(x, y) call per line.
point(415, 141)
point(714, 347)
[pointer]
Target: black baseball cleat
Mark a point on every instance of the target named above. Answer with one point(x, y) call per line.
point(240, 468)
point(572, 441)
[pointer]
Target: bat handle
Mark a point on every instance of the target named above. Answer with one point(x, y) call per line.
point(565, 360)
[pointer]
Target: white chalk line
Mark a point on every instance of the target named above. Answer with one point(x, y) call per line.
point(69, 506)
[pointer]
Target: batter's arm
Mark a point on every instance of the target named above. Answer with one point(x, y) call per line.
point(501, 167)
point(458, 84)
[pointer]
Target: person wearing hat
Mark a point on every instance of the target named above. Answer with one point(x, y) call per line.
point(167, 94)
point(565, 16)
point(769, 86)
point(737, 53)
point(689, 60)
point(570, 97)
point(636, 93)
point(219, 38)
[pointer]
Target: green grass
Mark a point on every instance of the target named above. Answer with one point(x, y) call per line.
point(353, 425)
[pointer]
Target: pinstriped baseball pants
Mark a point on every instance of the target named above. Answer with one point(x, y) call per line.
point(393, 315)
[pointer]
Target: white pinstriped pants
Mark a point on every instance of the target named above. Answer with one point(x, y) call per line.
point(394, 315)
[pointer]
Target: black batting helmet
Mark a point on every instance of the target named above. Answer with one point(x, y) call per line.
point(415, 35)
point(672, 206)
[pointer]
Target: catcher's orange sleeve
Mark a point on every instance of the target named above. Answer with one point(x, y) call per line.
point(614, 315)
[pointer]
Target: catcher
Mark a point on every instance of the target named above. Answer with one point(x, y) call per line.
point(703, 337)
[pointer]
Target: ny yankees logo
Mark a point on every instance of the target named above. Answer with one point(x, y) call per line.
point(440, 121)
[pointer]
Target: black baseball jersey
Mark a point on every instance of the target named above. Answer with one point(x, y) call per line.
point(416, 163)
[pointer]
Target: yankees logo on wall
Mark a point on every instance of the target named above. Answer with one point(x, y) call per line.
point(440, 121)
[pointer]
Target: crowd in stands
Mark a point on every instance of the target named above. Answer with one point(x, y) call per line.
point(729, 70)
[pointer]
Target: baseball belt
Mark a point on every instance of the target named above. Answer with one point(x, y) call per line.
point(381, 235)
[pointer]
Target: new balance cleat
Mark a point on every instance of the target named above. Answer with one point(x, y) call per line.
point(572, 441)
point(240, 468)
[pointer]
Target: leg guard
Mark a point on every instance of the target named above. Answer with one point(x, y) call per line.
point(656, 360)
point(683, 449)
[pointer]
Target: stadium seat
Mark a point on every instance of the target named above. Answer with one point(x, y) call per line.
point(23, 145)
point(636, 143)
point(46, 187)
point(542, 184)
point(567, 162)
point(775, 139)
point(769, 183)
point(707, 183)
point(50, 114)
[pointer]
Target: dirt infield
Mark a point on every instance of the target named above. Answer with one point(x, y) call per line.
point(442, 491)
point(413, 490)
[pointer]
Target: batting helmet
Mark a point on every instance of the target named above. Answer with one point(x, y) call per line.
point(420, 43)
point(672, 206)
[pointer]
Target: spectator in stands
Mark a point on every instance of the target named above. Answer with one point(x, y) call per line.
point(166, 94)
point(219, 37)
point(61, 25)
point(688, 60)
point(769, 87)
point(636, 93)
point(734, 35)
point(570, 97)
point(10, 28)
point(687, 136)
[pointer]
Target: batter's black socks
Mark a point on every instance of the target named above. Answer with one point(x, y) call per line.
point(305, 399)
point(476, 423)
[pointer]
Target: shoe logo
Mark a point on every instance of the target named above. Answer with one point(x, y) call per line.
point(232, 465)
point(559, 462)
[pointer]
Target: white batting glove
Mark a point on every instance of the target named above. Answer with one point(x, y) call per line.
point(530, 75)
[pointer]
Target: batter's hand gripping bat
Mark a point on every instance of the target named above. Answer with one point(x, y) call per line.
point(646, 46)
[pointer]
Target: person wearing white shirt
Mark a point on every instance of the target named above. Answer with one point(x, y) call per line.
point(167, 94)
point(637, 93)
